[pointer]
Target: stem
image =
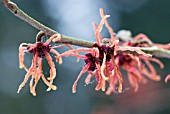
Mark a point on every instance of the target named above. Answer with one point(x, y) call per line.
point(22, 15)
point(67, 39)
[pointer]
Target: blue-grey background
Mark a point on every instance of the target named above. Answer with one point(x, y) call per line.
point(74, 18)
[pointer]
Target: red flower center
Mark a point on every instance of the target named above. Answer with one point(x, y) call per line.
point(40, 48)
point(109, 51)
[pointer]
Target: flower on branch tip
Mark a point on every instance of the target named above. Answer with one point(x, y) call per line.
point(39, 51)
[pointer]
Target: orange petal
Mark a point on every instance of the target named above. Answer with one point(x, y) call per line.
point(167, 78)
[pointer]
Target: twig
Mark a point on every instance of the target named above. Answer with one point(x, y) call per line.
point(22, 15)
point(67, 39)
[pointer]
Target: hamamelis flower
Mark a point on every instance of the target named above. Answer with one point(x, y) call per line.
point(97, 58)
point(138, 66)
point(39, 51)
point(148, 43)
point(100, 59)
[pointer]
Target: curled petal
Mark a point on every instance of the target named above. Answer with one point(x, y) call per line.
point(55, 38)
point(36, 79)
point(52, 66)
point(153, 75)
point(107, 25)
point(154, 60)
point(158, 62)
point(30, 71)
point(22, 51)
point(103, 68)
point(167, 78)
point(103, 85)
point(110, 90)
point(133, 82)
point(59, 46)
point(74, 53)
point(136, 60)
point(59, 60)
point(89, 76)
point(95, 27)
point(99, 28)
point(71, 54)
point(98, 78)
point(31, 86)
point(43, 77)
point(85, 68)
point(118, 74)
point(137, 74)
point(115, 44)
point(112, 84)
point(144, 37)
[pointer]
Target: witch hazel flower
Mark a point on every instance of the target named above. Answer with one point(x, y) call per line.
point(39, 50)
point(148, 43)
point(138, 66)
point(100, 60)
point(97, 57)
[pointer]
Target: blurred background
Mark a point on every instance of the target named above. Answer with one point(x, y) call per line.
point(74, 18)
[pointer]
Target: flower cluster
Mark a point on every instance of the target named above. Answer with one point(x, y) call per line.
point(39, 51)
point(104, 61)
point(137, 66)
point(99, 60)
